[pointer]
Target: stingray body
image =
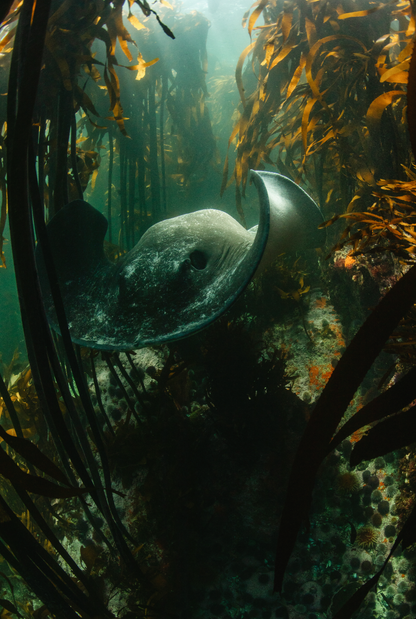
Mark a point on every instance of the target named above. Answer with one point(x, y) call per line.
point(182, 274)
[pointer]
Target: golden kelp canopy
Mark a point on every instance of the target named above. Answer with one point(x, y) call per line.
point(327, 106)
point(111, 85)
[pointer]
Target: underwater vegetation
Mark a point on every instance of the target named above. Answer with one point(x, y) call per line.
point(157, 137)
point(205, 440)
point(169, 142)
point(56, 382)
point(303, 115)
point(208, 432)
point(328, 103)
point(56, 368)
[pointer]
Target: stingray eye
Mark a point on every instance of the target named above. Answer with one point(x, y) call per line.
point(198, 260)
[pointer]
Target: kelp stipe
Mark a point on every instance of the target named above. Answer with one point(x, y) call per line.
point(170, 140)
point(27, 62)
point(24, 76)
point(57, 372)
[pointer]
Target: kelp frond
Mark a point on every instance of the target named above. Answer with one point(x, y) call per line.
point(388, 223)
point(328, 104)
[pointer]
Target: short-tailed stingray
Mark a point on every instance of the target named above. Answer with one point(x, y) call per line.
point(183, 273)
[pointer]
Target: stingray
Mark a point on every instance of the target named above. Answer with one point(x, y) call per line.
point(183, 273)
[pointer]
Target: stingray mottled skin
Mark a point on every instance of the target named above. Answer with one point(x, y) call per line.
point(182, 274)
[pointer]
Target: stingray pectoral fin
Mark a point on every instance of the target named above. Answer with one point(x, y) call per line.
point(294, 216)
point(76, 235)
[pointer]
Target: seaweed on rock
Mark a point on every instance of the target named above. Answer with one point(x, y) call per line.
point(210, 432)
point(328, 411)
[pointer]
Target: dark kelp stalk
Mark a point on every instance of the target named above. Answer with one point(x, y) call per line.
point(28, 112)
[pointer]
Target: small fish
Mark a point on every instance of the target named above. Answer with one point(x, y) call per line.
point(353, 534)
point(213, 5)
point(388, 603)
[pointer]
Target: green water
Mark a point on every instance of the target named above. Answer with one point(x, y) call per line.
point(11, 333)
point(184, 450)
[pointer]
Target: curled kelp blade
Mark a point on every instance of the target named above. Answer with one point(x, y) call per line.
point(389, 435)
point(391, 401)
point(182, 274)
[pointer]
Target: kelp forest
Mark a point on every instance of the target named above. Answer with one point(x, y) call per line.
point(265, 466)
